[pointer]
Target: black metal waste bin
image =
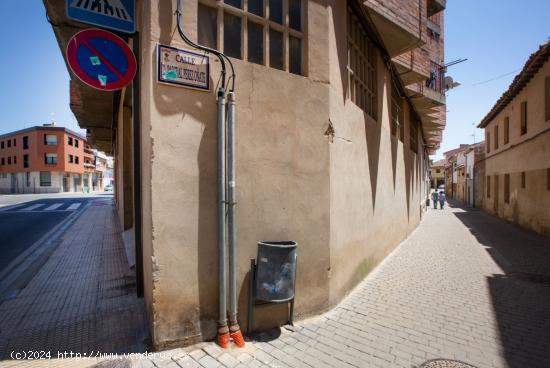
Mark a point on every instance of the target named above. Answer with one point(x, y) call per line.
point(276, 271)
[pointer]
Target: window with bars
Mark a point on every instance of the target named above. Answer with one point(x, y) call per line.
point(45, 179)
point(397, 117)
point(361, 66)
point(266, 32)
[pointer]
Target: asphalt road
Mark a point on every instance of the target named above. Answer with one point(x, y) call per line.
point(31, 217)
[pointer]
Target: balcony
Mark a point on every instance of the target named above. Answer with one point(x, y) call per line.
point(89, 166)
point(436, 6)
point(431, 93)
point(400, 30)
point(412, 67)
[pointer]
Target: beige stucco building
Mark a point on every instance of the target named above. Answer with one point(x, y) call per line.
point(517, 138)
point(339, 104)
point(437, 173)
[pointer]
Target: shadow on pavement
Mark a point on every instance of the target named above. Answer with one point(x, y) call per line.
point(521, 295)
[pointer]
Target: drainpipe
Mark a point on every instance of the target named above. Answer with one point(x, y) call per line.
point(223, 330)
point(234, 329)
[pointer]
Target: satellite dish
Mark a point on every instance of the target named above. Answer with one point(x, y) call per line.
point(450, 83)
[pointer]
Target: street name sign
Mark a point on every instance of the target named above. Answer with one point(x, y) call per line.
point(101, 59)
point(183, 68)
point(118, 15)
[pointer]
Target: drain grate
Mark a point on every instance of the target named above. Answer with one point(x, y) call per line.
point(445, 363)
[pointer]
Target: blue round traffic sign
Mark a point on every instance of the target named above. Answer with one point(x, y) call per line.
point(101, 59)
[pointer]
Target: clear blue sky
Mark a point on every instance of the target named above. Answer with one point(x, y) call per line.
point(497, 37)
point(35, 80)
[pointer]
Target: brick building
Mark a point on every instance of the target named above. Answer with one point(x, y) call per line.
point(338, 105)
point(517, 156)
point(45, 159)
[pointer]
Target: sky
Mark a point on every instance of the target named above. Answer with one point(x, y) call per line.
point(35, 80)
point(496, 36)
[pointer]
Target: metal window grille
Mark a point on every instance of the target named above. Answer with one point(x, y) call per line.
point(270, 32)
point(397, 115)
point(361, 66)
point(45, 179)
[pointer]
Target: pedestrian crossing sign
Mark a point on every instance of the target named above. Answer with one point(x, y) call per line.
point(117, 15)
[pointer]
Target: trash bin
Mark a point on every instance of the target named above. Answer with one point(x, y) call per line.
point(276, 271)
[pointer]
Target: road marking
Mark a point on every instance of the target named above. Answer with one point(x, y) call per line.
point(33, 207)
point(11, 207)
point(53, 207)
point(74, 206)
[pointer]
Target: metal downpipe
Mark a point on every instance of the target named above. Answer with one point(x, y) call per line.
point(232, 234)
point(234, 328)
point(222, 272)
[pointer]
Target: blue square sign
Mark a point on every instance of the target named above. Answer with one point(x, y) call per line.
point(118, 15)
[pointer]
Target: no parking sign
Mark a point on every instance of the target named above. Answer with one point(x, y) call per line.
point(101, 59)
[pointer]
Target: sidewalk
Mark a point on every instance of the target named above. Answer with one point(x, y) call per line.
point(463, 287)
point(83, 299)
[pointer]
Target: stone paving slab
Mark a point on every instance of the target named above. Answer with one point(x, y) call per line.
point(448, 292)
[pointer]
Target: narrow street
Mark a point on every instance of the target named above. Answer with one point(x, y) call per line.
point(465, 286)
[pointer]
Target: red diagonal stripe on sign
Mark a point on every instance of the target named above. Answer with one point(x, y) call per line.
point(98, 54)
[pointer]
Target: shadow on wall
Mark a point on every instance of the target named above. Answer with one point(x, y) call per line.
point(408, 158)
point(176, 106)
point(373, 135)
point(520, 297)
point(394, 141)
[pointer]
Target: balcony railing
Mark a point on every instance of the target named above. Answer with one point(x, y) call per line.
point(436, 81)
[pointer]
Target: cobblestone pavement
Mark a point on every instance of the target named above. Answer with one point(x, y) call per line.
point(461, 287)
point(465, 287)
point(82, 299)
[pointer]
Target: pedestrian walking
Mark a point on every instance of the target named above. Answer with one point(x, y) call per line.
point(435, 197)
point(441, 200)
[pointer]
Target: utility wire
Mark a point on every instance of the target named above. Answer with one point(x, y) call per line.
point(492, 79)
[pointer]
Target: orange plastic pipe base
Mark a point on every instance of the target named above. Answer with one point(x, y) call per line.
point(223, 340)
point(238, 338)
